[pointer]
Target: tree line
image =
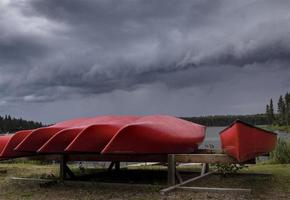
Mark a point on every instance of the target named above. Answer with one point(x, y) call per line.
point(282, 116)
point(225, 120)
point(10, 124)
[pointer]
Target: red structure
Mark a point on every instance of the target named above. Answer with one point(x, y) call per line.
point(107, 135)
point(244, 141)
point(155, 135)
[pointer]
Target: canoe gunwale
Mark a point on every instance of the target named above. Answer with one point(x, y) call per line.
point(247, 124)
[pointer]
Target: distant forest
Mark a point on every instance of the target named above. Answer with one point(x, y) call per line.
point(281, 116)
point(225, 120)
point(272, 116)
point(10, 124)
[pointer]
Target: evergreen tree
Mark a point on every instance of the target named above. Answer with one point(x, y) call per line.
point(271, 112)
point(10, 124)
point(268, 113)
point(287, 108)
point(281, 110)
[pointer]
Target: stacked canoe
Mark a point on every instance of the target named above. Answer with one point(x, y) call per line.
point(154, 134)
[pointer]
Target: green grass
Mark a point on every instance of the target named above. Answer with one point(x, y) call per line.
point(274, 186)
point(281, 154)
point(277, 128)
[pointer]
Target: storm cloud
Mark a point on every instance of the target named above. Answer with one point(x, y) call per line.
point(139, 57)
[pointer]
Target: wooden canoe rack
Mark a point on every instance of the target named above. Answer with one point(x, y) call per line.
point(206, 159)
point(174, 178)
point(115, 160)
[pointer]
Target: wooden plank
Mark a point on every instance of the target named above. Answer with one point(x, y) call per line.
point(119, 157)
point(171, 170)
point(32, 179)
point(85, 183)
point(250, 174)
point(115, 184)
point(204, 158)
point(184, 183)
point(222, 190)
point(161, 158)
point(201, 156)
point(209, 151)
point(145, 164)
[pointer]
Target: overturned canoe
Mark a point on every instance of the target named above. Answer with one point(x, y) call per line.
point(156, 134)
point(91, 137)
point(108, 135)
point(95, 137)
point(39, 137)
point(4, 139)
point(14, 140)
point(34, 140)
point(245, 142)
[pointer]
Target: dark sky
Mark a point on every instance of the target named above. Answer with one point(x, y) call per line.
point(61, 59)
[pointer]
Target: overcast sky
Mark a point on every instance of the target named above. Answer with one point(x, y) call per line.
point(61, 59)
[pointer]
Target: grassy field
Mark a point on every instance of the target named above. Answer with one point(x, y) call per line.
point(275, 186)
point(285, 129)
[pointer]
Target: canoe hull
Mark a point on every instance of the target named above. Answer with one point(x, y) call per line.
point(245, 142)
point(157, 135)
point(14, 140)
point(4, 139)
point(90, 136)
point(153, 134)
point(55, 139)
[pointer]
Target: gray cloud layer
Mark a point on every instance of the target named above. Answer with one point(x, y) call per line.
point(53, 52)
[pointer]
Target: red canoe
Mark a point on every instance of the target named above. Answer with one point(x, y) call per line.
point(14, 140)
point(156, 134)
point(91, 137)
point(37, 138)
point(4, 139)
point(33, 141)
point(245, 142)
point(94, 138)
point(107, 134)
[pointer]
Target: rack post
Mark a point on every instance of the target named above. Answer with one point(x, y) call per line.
point(62, 164)
point(171, 170)
point(64, 170)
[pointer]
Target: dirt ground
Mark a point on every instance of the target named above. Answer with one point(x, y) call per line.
point(139, 184)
